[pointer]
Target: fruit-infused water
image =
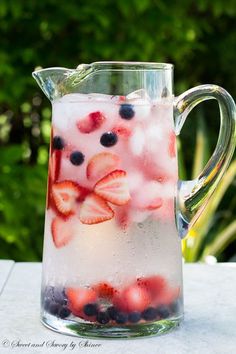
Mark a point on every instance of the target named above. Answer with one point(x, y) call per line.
point(111, 249)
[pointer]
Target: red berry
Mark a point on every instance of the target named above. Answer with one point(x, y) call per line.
point(91, 123)
point(167, 296)
point(104, 290)
point(154, 285)
point(78, 298)
point(122, 130)
point(132, 298)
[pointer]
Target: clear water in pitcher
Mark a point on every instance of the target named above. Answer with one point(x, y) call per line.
point(111, 247)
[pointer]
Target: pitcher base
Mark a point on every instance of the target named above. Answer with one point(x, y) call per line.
point(87, 330)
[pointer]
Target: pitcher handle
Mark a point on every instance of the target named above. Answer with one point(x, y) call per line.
point(193, 195)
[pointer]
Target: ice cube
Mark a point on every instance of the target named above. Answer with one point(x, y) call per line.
point(73, 97)
point(137, 141)
point(135, 180)
point(99, 97)
point(139, 216)
point(141, 102)
point(142, 111)
point(138, 94)
point(152, 195)
point(147, 194)
point(154, 134)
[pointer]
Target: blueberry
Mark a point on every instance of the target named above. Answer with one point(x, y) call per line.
point(64, 312)
point(108, 139)
point(103, 317)
point(112, 311)
point(134, 317)
point(48, 292)
point(163, 311)
point(54, 308)
point(126, 111)
point(76, 158)
point(121, 318)
point(149, 314)
point(46, 304)
point(56, 294)
point(59, 296)
point(58, 143)
point(91, 309)
point(175, 306)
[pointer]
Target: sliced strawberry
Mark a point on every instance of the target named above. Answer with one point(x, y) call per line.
point(55, 165)
point(172, 145)
point(166, 212)
point(91, 123)
point(114, 188)
point(123, 217)
point(62, 232)
point(102, 164)
point(105, 290)
point(155, 285)
point(65, 195)
point(122, 130)
point(78, 298)
point(132, 298)
point(94, 210)
point(49, 180)
point(167, 296)
point(48, 196)
point(122, 98)
point(155, 204)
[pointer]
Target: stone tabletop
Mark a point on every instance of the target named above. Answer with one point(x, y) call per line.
point(5, 270)
point(209, 326)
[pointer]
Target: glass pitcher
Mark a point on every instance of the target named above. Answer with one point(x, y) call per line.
point(116, 210)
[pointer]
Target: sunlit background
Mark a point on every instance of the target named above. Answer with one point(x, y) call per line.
point(198, 37)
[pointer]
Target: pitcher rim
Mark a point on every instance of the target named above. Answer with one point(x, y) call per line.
point(130, 65)
point(152, 65)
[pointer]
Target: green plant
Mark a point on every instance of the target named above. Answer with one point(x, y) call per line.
point(22, 202)
point(43, 33)
point(212, 233)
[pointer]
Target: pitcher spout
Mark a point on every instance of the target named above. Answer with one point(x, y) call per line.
point(56, 82)
point(49, 80)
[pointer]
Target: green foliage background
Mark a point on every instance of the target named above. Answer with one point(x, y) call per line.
point(198, 37)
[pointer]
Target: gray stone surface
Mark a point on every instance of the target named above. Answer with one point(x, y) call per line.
point(209, 326)
point(5, 270)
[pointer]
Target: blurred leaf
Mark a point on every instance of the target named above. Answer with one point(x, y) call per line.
point(201, 154)
point(221, 241)
point(197, 37)
point(181, 165)
point(11, 154)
